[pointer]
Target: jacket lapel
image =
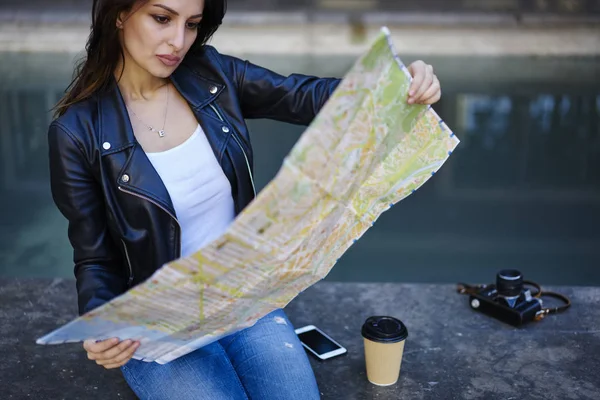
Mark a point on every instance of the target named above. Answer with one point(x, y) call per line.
point(199, 92)
point(133, 170)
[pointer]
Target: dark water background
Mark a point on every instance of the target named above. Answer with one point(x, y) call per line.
point(521, 191)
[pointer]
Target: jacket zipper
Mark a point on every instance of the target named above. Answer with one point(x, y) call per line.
point(241, 148)
point(178, 248)
point(130, 281)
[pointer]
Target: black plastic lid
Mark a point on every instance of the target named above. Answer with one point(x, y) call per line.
point(384, 329)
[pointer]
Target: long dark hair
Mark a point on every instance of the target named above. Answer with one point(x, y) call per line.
point(93, 72)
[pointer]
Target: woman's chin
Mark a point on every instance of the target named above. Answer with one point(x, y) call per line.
point(162, 71)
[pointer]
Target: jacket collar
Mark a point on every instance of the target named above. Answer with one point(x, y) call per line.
point(115, 127)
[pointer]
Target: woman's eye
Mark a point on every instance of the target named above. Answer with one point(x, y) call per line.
point(161, 19)
point(193, 25)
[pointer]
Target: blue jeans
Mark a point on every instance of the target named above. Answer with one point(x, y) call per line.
point(263, 362)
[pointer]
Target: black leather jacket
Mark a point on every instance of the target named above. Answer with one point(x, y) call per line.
point(122, 224)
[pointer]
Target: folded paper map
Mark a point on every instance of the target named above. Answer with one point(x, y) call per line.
point(366, 150)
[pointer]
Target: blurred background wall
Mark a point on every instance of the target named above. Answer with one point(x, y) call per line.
point(521, 89)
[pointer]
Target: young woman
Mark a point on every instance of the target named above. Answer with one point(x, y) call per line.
point(150, 159)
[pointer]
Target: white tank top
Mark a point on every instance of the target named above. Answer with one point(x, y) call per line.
point(199, 190)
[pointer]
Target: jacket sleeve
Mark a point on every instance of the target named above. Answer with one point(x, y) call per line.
point(79, 198)
point(295, 99)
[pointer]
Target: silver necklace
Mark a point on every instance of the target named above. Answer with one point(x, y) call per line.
point(161, 132)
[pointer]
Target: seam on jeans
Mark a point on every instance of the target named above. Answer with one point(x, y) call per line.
point(136, 383)
point(225, 348)
point(239, 381)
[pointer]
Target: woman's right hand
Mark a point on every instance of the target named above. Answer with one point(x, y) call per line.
point(110, 353)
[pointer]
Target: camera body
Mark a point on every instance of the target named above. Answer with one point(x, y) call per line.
point(507, 300)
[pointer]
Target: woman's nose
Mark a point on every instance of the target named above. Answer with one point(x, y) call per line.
point(177, 38)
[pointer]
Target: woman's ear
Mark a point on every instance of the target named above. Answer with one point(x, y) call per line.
point(120, 18)
point(125, 14)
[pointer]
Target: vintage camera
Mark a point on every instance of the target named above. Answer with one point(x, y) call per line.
point(508, 300)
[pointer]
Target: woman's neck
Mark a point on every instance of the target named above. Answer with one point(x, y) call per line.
point(136, 84)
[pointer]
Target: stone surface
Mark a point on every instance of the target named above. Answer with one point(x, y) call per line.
point(292, 29)
point(452, 352)
point(327, 38)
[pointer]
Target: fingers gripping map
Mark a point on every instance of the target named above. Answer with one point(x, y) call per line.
point(366, 150)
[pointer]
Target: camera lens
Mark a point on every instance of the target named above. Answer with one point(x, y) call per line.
point(509, 282)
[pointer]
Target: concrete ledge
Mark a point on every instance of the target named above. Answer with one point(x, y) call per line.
point(336, 33)
point(302, 16)
point(336, 39)
point(452, 352)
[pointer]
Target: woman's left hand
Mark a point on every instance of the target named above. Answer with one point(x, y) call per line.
point(425, 87)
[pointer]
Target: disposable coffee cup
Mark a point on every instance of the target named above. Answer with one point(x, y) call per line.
point(384, 339)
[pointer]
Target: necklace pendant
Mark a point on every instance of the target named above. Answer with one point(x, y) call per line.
point(161, 133)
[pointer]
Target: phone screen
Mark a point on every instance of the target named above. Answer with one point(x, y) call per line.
point(317, 342)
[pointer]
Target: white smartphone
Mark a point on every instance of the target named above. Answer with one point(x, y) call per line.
point(318, 343)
